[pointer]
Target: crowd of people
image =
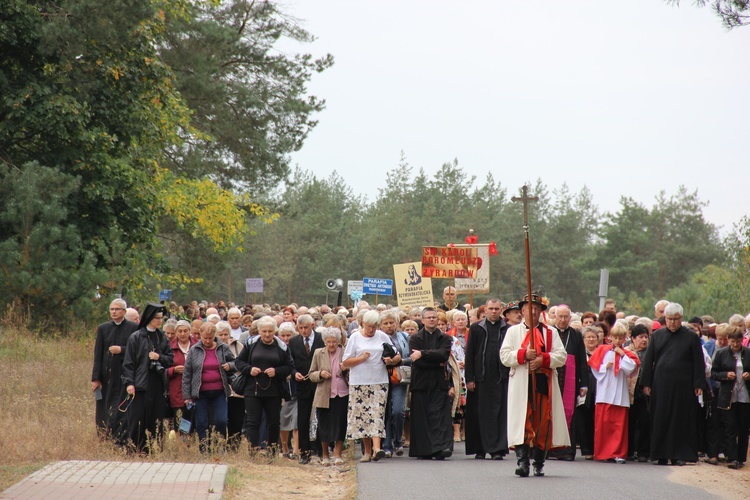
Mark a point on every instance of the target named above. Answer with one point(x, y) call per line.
point(544, 382)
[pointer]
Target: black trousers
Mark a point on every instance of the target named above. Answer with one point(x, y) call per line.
point(715, 430)
point(737, 424)
point(254, 408)
point(306, 447)
point(639, 428)
point(235, 419)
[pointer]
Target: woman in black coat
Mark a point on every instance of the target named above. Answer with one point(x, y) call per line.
point(731, 367)
point(266, 362)
point(147, 356)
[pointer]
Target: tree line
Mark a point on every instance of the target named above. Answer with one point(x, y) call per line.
point(147, 145)
point(325, 230)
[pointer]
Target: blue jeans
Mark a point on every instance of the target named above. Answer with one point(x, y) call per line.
point(394, 418)
point(213, 402)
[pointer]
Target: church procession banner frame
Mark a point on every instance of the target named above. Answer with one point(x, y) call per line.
point(481, 282)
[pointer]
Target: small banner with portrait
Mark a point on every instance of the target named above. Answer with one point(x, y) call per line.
point(412, 289)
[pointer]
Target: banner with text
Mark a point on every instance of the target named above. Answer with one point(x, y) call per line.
point(481, 282)
point(449, 262)
point(411, 288)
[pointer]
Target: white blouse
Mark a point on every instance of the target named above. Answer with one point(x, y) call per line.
point(371, 371)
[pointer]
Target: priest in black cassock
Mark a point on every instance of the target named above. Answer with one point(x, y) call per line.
point(573, 377)
point(487, 384)
point(109, 352)
point(430, 412)
point(674, 376)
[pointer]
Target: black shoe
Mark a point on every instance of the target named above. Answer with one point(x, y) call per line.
point(523, 469)
point(304, 459)
point(678, 462)
point(496, 456)
point(643, 459)
point(662, 461)
point(479, 456)
point(734, 465)
point(538, 469)
point(566, 458)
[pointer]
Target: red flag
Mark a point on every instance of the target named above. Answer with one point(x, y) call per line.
point(493, 248)
point(471, 239)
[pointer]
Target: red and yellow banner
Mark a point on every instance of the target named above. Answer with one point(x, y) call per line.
point(449, 262)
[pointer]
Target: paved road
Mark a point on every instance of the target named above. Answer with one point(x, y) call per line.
point(82, 479)
point(464, 477)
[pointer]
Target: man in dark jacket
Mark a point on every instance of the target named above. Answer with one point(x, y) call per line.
point(147, 356)
point(487, 385)
point(302, 347)
point(431, 422)
point(109, 349)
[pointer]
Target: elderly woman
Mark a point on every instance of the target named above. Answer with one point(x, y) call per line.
point(236, 402)
point(459, 332)
point(331, 394)
point(731, 367)
point(147, 356)
point(180, 346)
point(368, 385)
point(267, 362)
point(205, 383)
point(584, 412)
point(169, 328)
point(395, 410)
point(288, 421)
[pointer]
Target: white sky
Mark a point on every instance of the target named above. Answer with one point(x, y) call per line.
point(628, 97)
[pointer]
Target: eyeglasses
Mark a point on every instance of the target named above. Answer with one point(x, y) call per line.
point(158, 317)
point(116, 309)
point(123, 407)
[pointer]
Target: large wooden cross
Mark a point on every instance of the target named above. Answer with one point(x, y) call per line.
point(525, 199)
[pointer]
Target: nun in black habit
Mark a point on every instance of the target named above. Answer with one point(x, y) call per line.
point(147, 356)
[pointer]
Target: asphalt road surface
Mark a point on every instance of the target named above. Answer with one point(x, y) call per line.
point(463, 477)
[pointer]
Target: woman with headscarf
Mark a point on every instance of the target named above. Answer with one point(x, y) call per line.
point(147, 356)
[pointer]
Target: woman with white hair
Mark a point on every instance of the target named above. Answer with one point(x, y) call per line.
point(288, 422)
point(236, 402)
point(331, 394)
point(368, 385)
point(267, 362)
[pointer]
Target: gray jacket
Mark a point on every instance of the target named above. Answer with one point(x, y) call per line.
point(191, 377)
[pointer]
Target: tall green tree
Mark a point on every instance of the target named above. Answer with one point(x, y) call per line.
point(659, 248)
point(248, 100)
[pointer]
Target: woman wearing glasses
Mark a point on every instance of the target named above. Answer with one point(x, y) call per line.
point(147, 356)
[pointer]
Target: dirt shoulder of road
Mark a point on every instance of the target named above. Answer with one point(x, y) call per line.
point(272, 480)
point(715, 479)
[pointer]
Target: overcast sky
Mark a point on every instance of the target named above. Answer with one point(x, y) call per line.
point(626, 97)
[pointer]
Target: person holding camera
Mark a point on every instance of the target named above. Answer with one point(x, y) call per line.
point(147, 356)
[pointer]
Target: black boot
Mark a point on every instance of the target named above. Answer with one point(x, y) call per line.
point(539, 456)
point(522, 456)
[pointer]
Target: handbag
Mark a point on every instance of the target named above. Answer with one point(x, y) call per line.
point(388, 350)
point(394, 375)
point(237, 382)
point(405, 374)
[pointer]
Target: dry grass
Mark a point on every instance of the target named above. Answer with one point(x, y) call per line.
point(47, 414)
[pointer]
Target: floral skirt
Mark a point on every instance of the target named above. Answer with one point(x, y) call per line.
point(366, 415)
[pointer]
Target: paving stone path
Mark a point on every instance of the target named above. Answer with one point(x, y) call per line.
point(81, 479)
